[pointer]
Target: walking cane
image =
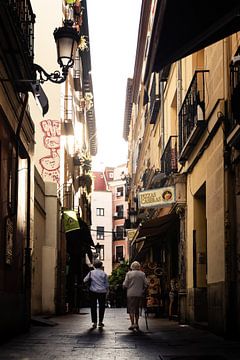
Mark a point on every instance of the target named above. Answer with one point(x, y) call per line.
point(145, 310)
point(146, 321)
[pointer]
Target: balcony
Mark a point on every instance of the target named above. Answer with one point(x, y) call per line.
point(147, 177)
point(17, 38)
point(169, 163)
point(192, 121)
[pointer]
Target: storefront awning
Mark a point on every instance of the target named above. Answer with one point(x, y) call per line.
point(153, 232)
point(155, 227)
point(183, 27)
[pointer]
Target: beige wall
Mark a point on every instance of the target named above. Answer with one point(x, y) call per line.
point(47, 148)
point(44, 247)
point(50, 249)
point(39, 236)
point(210, 171)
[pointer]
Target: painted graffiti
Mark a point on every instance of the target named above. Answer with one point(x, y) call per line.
point(50, 163)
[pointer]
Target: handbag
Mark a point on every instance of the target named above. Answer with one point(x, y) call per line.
point(88, 283)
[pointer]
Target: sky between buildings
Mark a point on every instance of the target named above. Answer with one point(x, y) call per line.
point(113, 31)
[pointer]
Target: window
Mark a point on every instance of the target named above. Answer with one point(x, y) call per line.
point(119, 253)
point(100, 232)
point(119, 232)
point(119, 210)
point(101, 253)
point(100, 211)
point(119, 191)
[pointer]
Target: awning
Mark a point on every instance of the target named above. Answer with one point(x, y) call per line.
point(183, 27)
point(153, 232)
point(157, 226)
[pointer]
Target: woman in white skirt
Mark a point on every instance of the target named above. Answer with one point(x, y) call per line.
point(136, 283)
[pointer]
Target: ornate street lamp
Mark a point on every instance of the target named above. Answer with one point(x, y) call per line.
point(133, 217)
point(67, 39)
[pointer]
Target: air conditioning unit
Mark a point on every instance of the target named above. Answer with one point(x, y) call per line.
point(119, 194)
point(115, 214)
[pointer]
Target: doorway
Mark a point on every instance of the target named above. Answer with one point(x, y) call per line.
point(200, 256)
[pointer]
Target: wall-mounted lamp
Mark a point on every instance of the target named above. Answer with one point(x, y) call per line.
point(67, 39)
point(133, 217)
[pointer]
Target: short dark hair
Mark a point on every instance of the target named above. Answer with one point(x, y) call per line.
point(97, 264)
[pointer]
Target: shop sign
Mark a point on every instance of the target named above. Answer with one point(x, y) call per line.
point(157, 197)
point(70, 221)
point(131, 234)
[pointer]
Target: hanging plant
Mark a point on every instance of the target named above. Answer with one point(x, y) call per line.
point(86, 165)
point(82, 161)
point(85, 181)
point(83, 43)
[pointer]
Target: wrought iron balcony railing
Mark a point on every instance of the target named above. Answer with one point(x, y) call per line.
point(169, 162)
point(17, 42)
point(192, 116)
point(24, 19)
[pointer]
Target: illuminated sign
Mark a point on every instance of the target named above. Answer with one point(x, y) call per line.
point(156, 197)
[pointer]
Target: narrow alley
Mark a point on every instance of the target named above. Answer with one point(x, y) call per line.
point(70, 337)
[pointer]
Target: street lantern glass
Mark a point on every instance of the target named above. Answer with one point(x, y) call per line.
point(67, 39)
point(133, 217)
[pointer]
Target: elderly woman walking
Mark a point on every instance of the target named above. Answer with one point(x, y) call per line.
point(136, 283)
point(98, 290)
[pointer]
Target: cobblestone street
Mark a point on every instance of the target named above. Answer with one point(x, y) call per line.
point(70, 337)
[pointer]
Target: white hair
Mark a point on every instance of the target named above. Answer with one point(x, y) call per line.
point(135, 265)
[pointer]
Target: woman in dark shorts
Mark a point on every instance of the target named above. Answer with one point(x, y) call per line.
point(136, 283)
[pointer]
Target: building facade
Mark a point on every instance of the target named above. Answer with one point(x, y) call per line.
point(117, 186)
point(59, 140)
point(183, 136)
point(16, 166)
point(101, 229)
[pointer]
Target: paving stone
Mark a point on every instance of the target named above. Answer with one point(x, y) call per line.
point(71, 339)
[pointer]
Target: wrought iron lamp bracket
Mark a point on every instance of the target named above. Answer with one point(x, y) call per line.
point(55, 77)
